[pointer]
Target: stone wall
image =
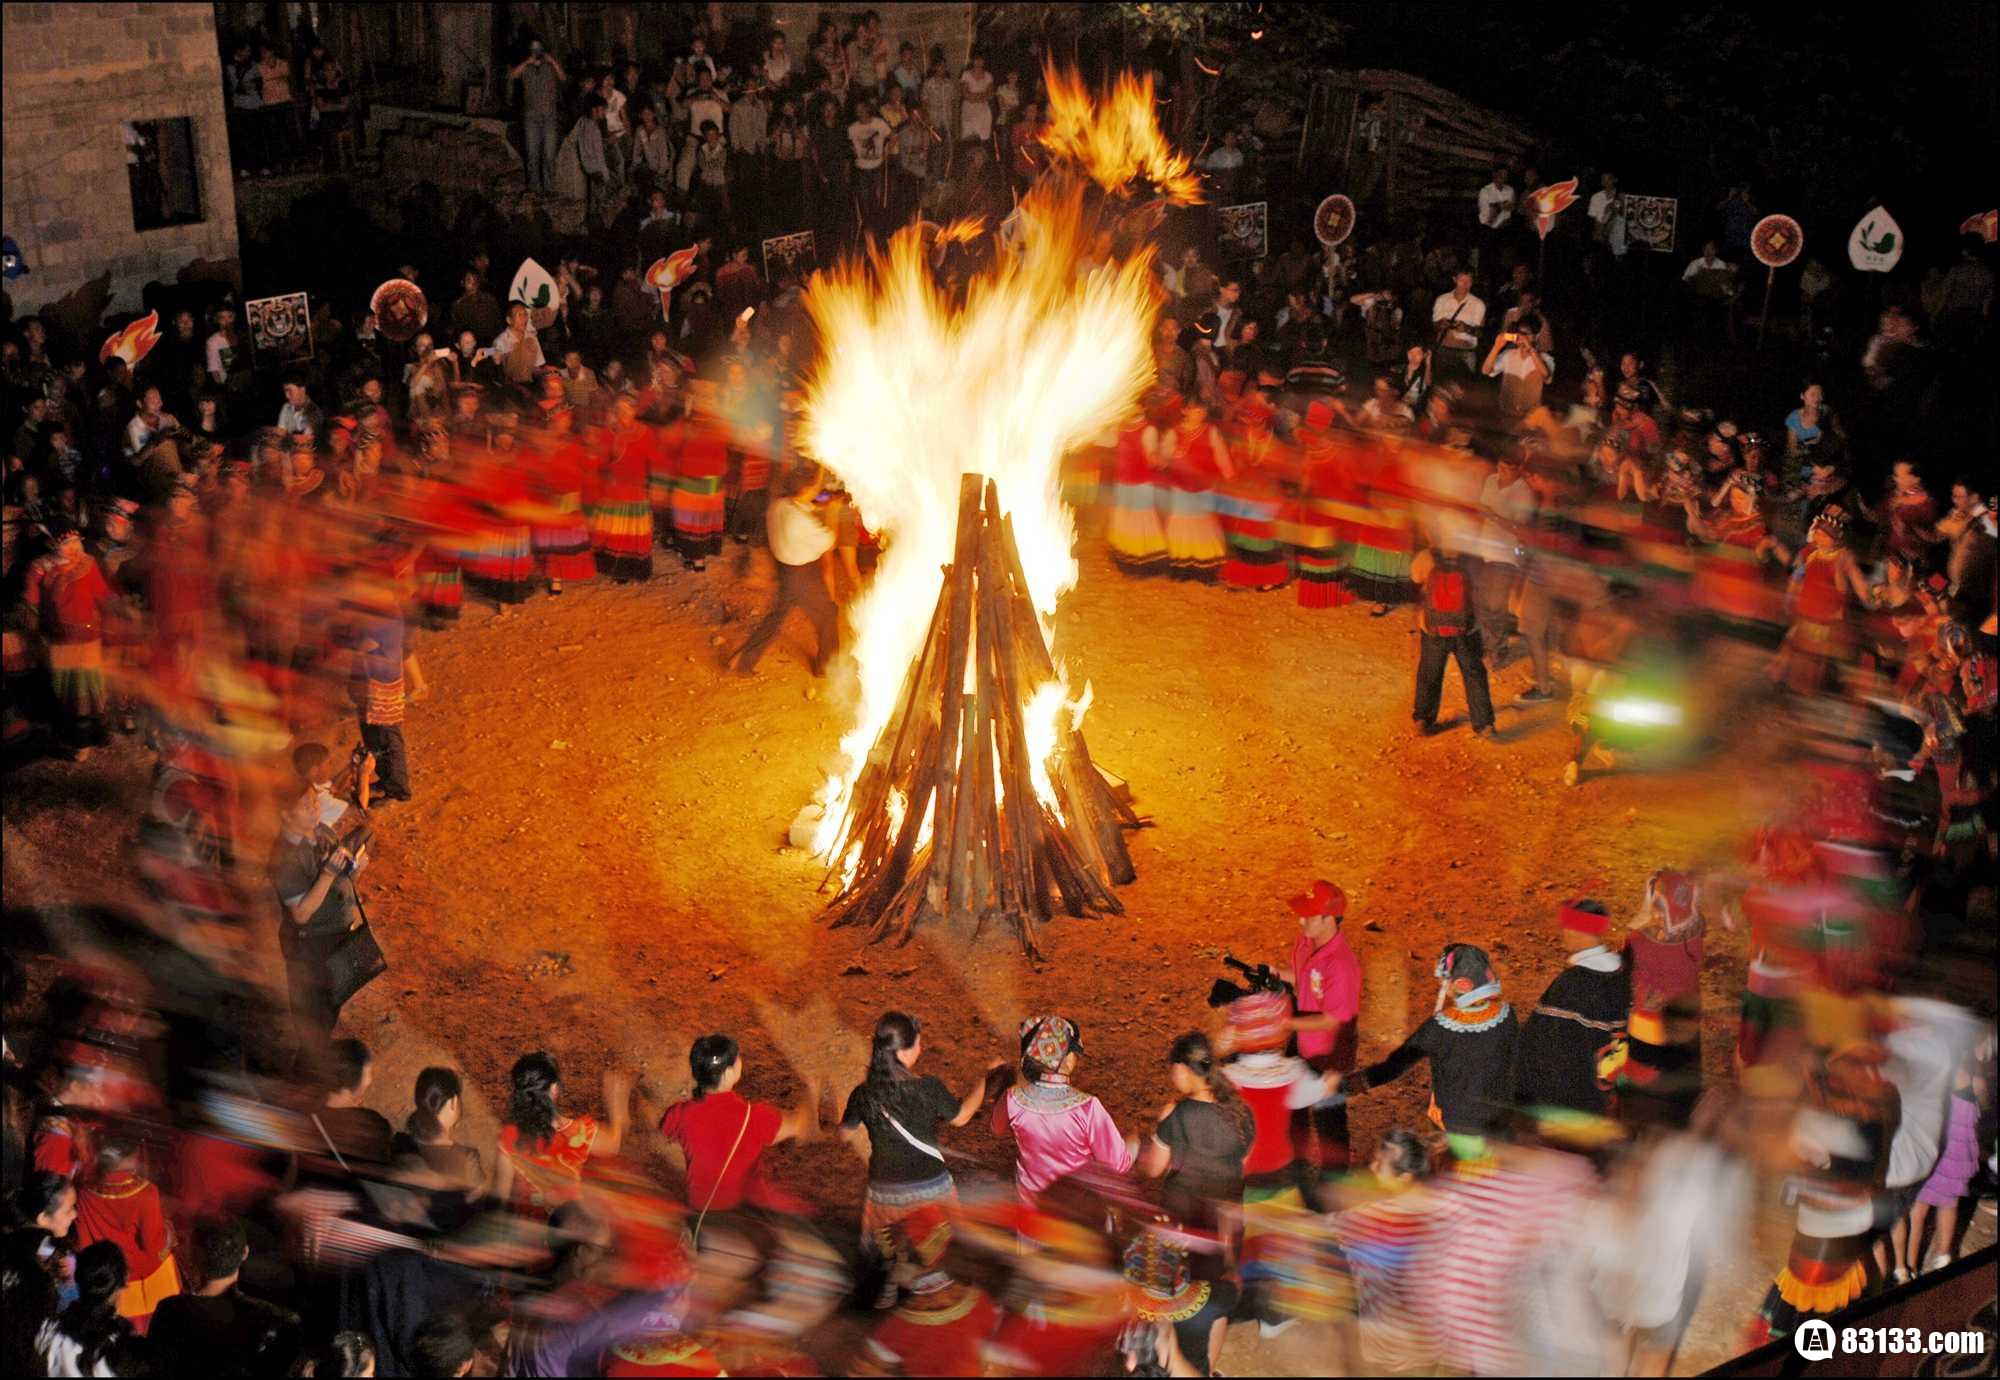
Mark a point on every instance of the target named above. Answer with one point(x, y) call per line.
point(72, 75)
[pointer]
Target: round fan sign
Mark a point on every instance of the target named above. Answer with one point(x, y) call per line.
point(400, 309)
point(1333, 222)
point(1776, 241)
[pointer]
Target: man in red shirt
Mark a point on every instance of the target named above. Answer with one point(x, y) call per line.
point(1326, 980)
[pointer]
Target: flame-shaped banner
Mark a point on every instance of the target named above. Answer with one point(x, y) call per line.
point(134, 342)
point(669, 273)
point(1551, 201)
point(1986, 225)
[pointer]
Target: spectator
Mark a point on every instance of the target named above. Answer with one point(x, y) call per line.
point(300, 416)
point(1457, 317)
point(542, 81)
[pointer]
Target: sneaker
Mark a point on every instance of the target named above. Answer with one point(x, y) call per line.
point(1268, 1330)
point(1936, 1262)
point(1534, 694)
point(1571, 773)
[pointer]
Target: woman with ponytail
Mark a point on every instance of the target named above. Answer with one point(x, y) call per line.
point(1200, 1142)
point(456, 1171)
point(542, 1148)
point(901, 1111)
point(724, 1135)
point(79, 1340)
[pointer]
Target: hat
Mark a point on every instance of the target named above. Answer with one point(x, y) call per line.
point(1833, 523)
point(1583, 916)
point(1262, 1020)
point(1158, 1271)
point(1048, 1040)
point(1321, 898)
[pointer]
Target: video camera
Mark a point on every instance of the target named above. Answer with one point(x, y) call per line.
point(1261, 978)
point(353, 841)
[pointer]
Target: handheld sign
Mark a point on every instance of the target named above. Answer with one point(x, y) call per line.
point(1333, 222)
point(1876, 244)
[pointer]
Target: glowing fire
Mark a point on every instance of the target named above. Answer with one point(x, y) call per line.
point(914, 390)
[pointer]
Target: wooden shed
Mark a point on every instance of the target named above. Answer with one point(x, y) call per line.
point(1402, 147)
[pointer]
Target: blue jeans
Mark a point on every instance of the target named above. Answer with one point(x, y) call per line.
point(540, 136)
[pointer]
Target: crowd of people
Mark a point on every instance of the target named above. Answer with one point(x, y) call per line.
point(232, 590)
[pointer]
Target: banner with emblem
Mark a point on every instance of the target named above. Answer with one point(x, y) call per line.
point(795, 253)
point(1244, 232)
point(1650, 221)
point(1875, 245)
point(280, 328)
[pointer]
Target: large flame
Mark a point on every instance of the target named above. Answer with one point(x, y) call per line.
point(914, 389)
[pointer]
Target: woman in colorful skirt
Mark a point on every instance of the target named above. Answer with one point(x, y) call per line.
point(561, 539)
point(69, 598)
point(1138, 544)
point(1316, 521)
point(1248, 505)
point(1198, 462)
point(119, 1205)
point(902, 1112)
point(1383, 530)
point(700, 446)
point(621, 523)
point(501, 562)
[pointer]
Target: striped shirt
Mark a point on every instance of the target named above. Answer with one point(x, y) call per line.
point(1494, 1219)
point(1388, 1243)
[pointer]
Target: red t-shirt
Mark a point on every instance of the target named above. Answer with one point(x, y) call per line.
point(705, 1129)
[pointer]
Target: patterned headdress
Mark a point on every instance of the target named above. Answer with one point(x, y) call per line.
point(1047, 1040)
point(1833, 523)
point(1676, 897)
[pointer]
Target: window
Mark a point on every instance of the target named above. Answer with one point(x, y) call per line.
point(166, 181)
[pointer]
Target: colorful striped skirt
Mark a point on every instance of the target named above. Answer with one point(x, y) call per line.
point(440, 585)
point(500, 562)
point(698, 515)
point(1248, 512)
point(1083, 471)
point(1195, 547)
point(1381, 565)
point(621, 535)
point(1137, 541)
point(563, 546)
point(76, 679)
point(884, 1205)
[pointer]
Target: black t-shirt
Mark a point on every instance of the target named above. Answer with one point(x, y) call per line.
point(919, 1104)
point(294, 872)
point(359, 1133)
point(226, 1334)
point(1208, 1145)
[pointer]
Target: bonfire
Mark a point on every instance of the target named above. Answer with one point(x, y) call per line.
point(965, 790)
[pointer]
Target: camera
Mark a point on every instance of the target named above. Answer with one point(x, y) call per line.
point(1260, 978)
point(352, 842)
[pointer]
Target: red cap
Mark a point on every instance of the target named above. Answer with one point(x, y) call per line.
point(1323, 899)
point(1575, 916)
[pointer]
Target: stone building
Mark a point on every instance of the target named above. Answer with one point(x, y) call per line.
point(116, 154)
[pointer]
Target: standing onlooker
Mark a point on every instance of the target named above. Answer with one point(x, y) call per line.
point(1523, 367)
point(1496, 213)
point(317, 905)
point(542, 80)
point(332, 98)
point(246, 114)
point(869, 137)
point(593, 159)
point(652, 154)
point(939, 96)
point(749, 133)
point(1456, 317)
point(975, 102)
point(1446, 624)
point(66, 593)
point(274, 75)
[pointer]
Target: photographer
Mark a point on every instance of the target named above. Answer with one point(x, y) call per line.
point(1523, 367)
point(542, 80)
point(315, 887)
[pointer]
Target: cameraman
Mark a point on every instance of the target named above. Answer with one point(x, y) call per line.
point(1523, 367)
point(317, 905)
point(1326, 982)
point(542, 79)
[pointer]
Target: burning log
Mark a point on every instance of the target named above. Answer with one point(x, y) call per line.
point(946, 821)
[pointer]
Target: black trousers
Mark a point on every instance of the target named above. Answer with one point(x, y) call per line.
point(392, 758)
point(1465, 650)
point(802, 587)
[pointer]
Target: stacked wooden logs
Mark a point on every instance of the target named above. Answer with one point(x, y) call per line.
point(957, 752)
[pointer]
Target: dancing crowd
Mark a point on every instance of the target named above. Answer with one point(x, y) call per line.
point(190, 1189)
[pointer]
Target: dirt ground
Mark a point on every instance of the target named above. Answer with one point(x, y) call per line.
point(595, 864)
